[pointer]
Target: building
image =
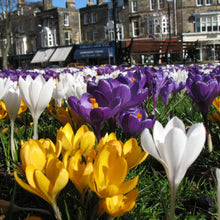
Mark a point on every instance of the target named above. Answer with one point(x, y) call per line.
point(39, 29)
point(160, 31)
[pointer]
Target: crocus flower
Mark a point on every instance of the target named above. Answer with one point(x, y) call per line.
point(92, 111)
point(60, 90)
point(4, 86)
point(215, 117)
point(117, 205)
point(130, 150)
point(65, 115)
point(175, 149)
point(12, 100)
point(133, 121)
point(79, 171)
point(37, 94)
point(203, 89)
point(83, 139)
point(45, 174)
point(3, 110)
point(110, 171)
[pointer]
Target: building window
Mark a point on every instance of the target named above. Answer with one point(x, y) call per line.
point(86, 36)
point(21, 28)
point(86, 19)
point(93, 17)
point(158, 25)
point(21, 45)
point(67, 38)
point(134, 6)
point(161, 4)
point(208, 2)
point(47, 23)
point(48, 37)
point(66, 20)
point(204, 2)
point(94, 35)
point(135, 28)
point(207, 23)
point(153, 4)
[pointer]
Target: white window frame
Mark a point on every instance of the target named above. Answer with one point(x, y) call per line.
point(158, 25)
point(153, 4)
point(66, 20)
point(199, 2)
point(135, 29)
point(134, 6)
point(208, 2)
point(207, 23)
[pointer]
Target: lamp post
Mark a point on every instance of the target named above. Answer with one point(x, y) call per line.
point(168, 54)
point(168, 4)
point(114, 5)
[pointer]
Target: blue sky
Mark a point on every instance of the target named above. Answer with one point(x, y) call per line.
point(62, 3)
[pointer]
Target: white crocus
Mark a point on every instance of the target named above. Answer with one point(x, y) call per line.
point(218, 190)
point(4, 86)
point(76, 85)
point(12, 100)
point(175, 149)
point(37, 94)
point(60, 89)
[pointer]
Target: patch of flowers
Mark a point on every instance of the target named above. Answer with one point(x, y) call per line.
point(91, 104)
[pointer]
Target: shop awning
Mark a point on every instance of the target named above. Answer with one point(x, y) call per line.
point(104, 52)
point(61, 54)
point(42, 55)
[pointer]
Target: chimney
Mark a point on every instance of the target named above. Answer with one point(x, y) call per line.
point(90, 3)
point(99, 2)
point(70, 4)
point(47, 4)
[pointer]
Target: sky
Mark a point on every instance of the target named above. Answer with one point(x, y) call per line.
point(62, 3)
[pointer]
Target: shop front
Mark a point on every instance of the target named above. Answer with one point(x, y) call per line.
point(94, 53)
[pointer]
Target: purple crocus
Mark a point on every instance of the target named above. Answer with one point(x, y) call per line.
point(203, 89)
point(92, 110)
point(134, 120)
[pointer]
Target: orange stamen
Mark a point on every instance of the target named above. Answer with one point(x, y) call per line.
point(133, 79)
point(94, 104)
point(139, 115)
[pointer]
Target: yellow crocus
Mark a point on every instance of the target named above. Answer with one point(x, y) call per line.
point(50, 147)
point(23, 107)
point(59, 113)
point(83, 139)
point(105, 139)
point(110, 170)
point(133, 153)
point(3, 110)
point(65, 115)
point(79, 171)
point(216, 103)
point(131, 150)
point(215, 117)
point(47, 184)
point(33, 153)
point(117, 205)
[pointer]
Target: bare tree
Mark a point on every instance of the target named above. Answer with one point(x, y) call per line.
point(6, 7)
